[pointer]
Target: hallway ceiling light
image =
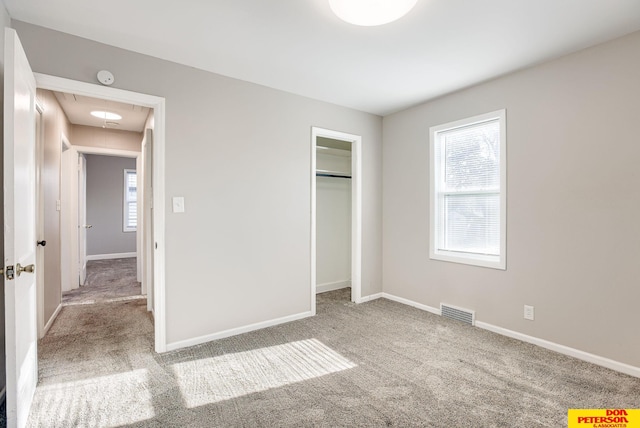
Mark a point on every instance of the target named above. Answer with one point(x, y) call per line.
point(105, 115)
point(371, 12)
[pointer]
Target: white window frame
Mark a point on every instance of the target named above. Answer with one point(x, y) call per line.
point(490, 261)
point(126, 202)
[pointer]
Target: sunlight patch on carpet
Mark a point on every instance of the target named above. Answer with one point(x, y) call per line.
point(105, 401)
point(211, 380)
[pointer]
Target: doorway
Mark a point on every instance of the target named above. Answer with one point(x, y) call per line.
point(157, 104)
point(337, 166)
point(107, 225)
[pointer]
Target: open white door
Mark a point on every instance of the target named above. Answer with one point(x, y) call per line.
point(82, 218)
point(19, 230)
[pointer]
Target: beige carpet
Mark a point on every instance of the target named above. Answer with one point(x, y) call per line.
point(376, 364)
point(107, 281)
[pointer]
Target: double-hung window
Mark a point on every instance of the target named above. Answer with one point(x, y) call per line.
point(468, 191)
point(130, 212)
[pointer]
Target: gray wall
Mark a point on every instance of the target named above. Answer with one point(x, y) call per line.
point(55, 124)
point(105, 192)
point(5, 21)
point(573, 235)
point(240, 154)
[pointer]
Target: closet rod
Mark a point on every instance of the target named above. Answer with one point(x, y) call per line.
point(323, 174)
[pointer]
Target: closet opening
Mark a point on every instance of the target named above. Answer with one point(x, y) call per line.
point(336, 214)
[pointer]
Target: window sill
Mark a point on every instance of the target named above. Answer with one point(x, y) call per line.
point(493, 262)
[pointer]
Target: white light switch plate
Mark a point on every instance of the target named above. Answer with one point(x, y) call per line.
point(178, 204)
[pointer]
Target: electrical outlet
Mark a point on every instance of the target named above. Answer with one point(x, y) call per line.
point(528, 312)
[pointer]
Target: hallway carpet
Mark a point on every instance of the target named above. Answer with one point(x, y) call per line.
point(107, 280)
point(377, 364)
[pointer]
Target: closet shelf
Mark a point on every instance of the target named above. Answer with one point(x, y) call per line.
point(333, 151)
point(328, 173)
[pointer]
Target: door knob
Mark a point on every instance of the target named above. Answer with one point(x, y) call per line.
point(42, 243)
point(88, 226)
point(29, 268)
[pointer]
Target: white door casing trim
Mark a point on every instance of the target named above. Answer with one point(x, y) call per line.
point(55, 83)
point(356, 210)
point(69, 215)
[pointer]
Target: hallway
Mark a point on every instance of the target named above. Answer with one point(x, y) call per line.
point(107, 281)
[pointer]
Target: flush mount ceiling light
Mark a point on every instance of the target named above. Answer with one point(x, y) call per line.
point(105, 115)
point(371, 12)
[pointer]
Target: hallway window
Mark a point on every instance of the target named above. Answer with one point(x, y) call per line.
point(468, 191)
point(130, 214)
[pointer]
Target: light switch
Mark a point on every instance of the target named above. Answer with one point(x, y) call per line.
point(178, 204)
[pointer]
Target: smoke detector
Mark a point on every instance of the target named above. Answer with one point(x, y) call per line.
point(105, 77)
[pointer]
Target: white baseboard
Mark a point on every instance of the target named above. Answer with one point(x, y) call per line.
point(112, 256)
point(235, 331)
point(49, 323)
point(370, 297)
point(411, 303)
point(331, 286)
point(561, 349)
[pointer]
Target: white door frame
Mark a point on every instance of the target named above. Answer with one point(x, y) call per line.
point(68, 215)
point(356, 210)
point(145, 215)
point(55, 83)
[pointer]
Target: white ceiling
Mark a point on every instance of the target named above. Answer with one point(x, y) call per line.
point(78, 110)
point(299, 46)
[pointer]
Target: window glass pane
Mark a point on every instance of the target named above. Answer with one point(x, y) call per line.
point(132, 185)
point(132, 214)
point(472, 223)
point(472, 157)
point(130, 200)
point(468, 197)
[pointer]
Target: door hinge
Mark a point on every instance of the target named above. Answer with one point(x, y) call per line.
point(9, 272)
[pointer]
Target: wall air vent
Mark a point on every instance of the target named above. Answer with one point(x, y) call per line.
point(458, 314)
